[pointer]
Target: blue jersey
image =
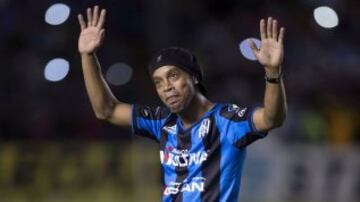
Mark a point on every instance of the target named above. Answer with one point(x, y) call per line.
point(203, 162)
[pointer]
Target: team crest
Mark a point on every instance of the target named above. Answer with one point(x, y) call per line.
point(204, 128)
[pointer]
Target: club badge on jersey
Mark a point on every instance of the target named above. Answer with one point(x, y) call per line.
point(204, 128)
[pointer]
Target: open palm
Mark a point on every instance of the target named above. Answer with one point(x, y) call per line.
point(92, 32)
point(271, 50)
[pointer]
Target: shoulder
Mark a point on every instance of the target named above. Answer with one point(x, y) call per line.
point(233, 112)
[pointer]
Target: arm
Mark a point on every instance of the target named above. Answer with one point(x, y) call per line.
point(103, 102)
point(270, 55)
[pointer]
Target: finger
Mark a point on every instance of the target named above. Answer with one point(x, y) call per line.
point(281, 35)
point(102, 33)
point(274, 29)
point(95, 15)
point(102, 36)
point(262, 29)
point(81, 22)
point(253, 47)
point(269, 22)
point(101, 21)
point(89, 16)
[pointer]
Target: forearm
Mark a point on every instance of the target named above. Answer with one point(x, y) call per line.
point(275, 106)
point(101, 97)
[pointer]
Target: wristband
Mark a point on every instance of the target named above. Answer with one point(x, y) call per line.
point(273, 80)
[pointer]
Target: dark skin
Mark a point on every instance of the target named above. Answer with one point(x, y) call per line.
point(180, 94)
point(177, 90)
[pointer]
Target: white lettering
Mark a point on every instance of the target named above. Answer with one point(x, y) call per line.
point(186, 188)
point(182, 158)
point(196, 184)
point(203, 157)
point(172, 160)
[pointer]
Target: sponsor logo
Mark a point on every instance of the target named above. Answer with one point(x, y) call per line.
point(145, 112)
point(170, 129)
point(233, 107)
point(157, 110)
point(204, 128)
point(182, 158)
point(195, 184)
point(240, 112)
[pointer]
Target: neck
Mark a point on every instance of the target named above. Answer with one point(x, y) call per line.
point(197, 107)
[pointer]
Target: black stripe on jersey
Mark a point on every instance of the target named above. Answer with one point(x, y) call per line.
point(145, 133)
point(146, 112)
point(248, 139)
point(236, 115)
point(212, 172)
point(137, 130)
point(184, 143)
point(251, 136)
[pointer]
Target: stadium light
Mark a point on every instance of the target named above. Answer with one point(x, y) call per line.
point(56, 69)
point(119, 74)
point(57, 14)
point(326, 17)
point(246, 50)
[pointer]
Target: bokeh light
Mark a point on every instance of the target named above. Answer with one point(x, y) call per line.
point(326, 17)
point(119, 74)
point(57, 14)
point(56, 69)
point(245, 48)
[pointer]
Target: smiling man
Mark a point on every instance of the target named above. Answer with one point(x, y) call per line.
point(202, 143)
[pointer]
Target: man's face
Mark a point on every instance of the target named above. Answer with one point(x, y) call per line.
point(174, 87)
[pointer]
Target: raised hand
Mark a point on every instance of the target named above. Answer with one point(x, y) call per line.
point(271, 51)
point(92, 32)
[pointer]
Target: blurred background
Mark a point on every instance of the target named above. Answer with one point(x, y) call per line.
point(52, 148)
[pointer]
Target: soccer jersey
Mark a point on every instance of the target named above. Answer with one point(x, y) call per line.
point(203, 162)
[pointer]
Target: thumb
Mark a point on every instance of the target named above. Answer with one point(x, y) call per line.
point(253, 47)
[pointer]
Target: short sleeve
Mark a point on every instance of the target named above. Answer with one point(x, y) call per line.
point(236, 123)
point(147, 121)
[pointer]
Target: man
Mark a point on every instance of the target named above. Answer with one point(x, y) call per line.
point(202, 144)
